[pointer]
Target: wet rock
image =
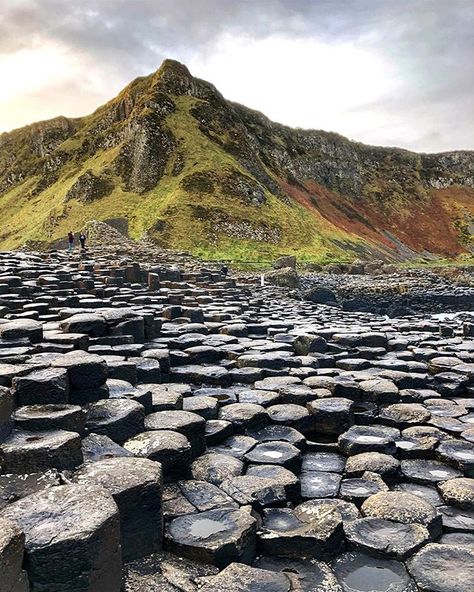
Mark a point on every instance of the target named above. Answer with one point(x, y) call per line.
point(30, 452)
point(14, 487)
point(317, 535)
point(12, 542)
point(119, 419)
point(135, 485)
point(385, 538)
point(216, 467)
point(359, 439)
point(171, 449)
point(458, 454)
point(278, 453)
point(427, 471)
point(219, 537)
point(242, 578)
point(358, 572)
point(306, 575)
point(97, 447)
point(186, 423)
point(443, 568)
point(72, 539)
point(49, 386)
point(456, 519)
point(70, 418)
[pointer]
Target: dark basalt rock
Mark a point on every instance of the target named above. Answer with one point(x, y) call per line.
point(49, 386)
point(385, 538)
point(12, 543)
point(219, 537)
point(30, 452)
point(243, 578)
point(72, 539)
point(216, 467)
point(14, 487)
point(317, 535)
point(187, 423)
point(443, 568)
point(135, 484)
point(171, 449)
point(306, 575)
point(278, 453)
point(360, 439)
point(119, 419)
point(361, 573)
point(70, 418)
point(97, 447)
point(85, 371)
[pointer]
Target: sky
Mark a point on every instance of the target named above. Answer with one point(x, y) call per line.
point(383, 72)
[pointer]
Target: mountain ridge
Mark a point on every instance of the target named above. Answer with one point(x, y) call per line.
point(192, 170)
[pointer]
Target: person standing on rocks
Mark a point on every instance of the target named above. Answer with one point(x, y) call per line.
point(82, 240)
point(70, 241)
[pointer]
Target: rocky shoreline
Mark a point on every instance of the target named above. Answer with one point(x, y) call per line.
point(166, 428)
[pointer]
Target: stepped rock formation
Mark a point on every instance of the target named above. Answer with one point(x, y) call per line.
point(193, 171)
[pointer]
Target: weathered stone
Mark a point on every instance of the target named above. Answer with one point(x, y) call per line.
point(72, 539)
point(136, 486)
point(219, 537)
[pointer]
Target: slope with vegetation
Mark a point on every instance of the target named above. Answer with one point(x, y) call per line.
point(193, 171)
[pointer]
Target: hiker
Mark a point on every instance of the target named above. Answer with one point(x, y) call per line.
point(224, 270)
point(82, 240)
point(70, 241)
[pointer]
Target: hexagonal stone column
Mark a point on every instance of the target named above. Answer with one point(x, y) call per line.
point(72, 539)
point(12, 544)
point(187, 423)
point(249, 579)
point(216, 536)
point(49, 386)
point(29, 452)
point(136, 486)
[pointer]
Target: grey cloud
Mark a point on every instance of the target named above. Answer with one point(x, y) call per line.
point(430, 41)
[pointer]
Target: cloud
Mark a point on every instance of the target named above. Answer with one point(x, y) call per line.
point(376, 70)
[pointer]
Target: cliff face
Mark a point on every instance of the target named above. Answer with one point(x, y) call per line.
point(194, 171)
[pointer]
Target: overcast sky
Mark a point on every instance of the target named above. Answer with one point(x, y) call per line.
point(389, 72)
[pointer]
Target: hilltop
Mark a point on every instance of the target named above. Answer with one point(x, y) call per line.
point(172, 160)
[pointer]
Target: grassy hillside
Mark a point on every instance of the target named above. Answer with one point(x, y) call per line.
point(193, 171)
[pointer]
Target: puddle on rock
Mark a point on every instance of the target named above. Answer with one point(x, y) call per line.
point(370, 578)
point(204, 527)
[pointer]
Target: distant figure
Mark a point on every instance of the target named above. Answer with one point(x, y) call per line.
point(82, 240)
point(224, 270)
point(70, 241)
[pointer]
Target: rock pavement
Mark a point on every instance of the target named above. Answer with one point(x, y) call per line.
point(169, 428)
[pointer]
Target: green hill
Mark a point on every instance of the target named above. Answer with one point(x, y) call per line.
point(180, 164)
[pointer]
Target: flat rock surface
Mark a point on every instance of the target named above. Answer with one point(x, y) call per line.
point(314, 438)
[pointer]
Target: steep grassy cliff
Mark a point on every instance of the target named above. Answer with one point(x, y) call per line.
point(181, 164)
